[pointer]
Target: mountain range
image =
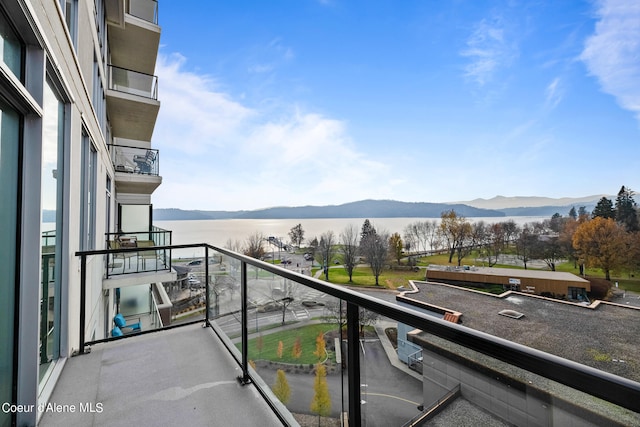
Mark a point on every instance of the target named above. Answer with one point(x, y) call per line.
point(495, 207)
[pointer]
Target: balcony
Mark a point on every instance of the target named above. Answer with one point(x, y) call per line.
point(137, 169)
point(186, 374)
point(132, 103)
point(134, 34)
point(135, 253)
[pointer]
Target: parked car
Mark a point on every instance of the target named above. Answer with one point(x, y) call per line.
point(195, 262)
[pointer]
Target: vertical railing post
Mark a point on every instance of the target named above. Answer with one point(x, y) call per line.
point(207, 288)
point(83, 297)
point(245, 379)
point(353, 364)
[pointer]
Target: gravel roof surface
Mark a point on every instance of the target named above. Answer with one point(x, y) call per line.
point(604, 337)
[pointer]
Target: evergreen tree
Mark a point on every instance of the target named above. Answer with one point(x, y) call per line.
point(281, 387)
point(626, 210)
point(604, 209)
point(572, 213)
point(367, 230)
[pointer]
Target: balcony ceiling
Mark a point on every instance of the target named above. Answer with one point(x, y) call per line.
point(132, 116)
point(137, 183)
point(134, 46)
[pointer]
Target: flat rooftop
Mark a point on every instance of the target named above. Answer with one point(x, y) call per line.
point(603, 335)
point(513, 272)
point(180, 377)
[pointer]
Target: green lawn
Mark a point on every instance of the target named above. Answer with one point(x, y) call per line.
point(270, 342)
point(362, 276)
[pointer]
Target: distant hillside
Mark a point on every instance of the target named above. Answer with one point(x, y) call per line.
point(361, 209)
point(503, 203)
point(547, 211)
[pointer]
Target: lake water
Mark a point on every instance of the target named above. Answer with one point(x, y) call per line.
point(218, 232)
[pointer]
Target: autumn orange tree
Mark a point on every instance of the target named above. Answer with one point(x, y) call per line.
point(601, 243)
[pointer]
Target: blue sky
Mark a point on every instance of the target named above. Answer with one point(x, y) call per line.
point(316, 102)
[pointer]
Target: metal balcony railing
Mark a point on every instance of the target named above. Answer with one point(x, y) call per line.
point(144, 9)
point(135, 160)
point(238, 293)
point(133, 82)
point(135, 252)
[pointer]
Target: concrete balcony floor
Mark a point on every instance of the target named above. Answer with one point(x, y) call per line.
point(182, 376)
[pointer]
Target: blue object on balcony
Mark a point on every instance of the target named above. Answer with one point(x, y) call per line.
point(145, 162)
point(121, 323)
point(116, 332)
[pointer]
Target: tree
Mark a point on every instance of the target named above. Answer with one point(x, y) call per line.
point(259, 344)
point(375, 248)
point(296, 234)
point(281, 387)
point(456, 231)
point(321, 402)
point(572, 213)
point(349, 249)
point(604, 209)
point(548, 249)
point(395, 246)
point(296, 351)
point(525, 244)
point(280, 349)
point(495, 242)
point(367, 318)
point(253, 246)
point(367, 230)
point(326, 251)
point(601, 243)
point(626, 210)
point(321, 349)
point(583, 213)
point(565, 240)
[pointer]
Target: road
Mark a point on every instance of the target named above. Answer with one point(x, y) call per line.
point(389, 396)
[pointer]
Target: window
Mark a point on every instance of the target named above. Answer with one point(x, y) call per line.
point(100, 26)
point(52, 185)
point(98, 97)
point(88, 195)
point(11, 51)
point(70, 9)
point(9, 184)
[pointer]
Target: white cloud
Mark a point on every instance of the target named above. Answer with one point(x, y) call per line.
point(612, 53)
point(217, 153)
point(554, 93)
point(489, 50)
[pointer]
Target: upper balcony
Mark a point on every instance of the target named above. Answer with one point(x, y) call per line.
point(348, 371)
point(137, 169)
point(132, 103)
point(134, 34)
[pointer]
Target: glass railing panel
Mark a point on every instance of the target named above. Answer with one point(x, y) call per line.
point(459, 382)
point(144, 9)
point(391, 394)
point(133, 82)
point(188, 292)
point(293, 331)
point(124, 260)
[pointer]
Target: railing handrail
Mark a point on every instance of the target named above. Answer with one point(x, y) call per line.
point(133, 71)
point(134, 147)
point(613, 388)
